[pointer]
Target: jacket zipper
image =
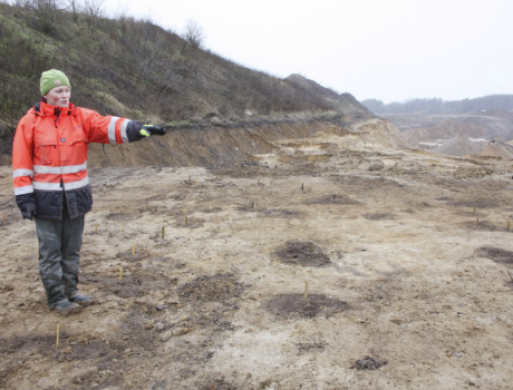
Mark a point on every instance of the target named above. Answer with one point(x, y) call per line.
point(65, 199)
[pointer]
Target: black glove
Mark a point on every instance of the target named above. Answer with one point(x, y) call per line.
point(29, 214)
point(148, 130)
point(136, 131)
point(27, 205)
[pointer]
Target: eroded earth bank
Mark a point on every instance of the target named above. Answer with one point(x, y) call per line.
point(274, 261)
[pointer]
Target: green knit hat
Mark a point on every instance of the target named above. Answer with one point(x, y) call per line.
point(51, 79)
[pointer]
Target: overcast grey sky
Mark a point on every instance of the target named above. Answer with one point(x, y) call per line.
point(390, 50)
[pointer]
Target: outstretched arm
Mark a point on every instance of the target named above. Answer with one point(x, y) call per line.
point(115, 130)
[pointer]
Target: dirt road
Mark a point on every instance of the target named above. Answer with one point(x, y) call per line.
point(276, 274)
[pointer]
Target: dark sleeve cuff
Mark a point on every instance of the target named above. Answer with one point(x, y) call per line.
point(26, 202)
point(132, 131)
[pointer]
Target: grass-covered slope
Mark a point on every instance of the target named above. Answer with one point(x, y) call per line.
point(137, 69)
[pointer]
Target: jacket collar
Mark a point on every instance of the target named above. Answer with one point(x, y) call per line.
point(46, 110)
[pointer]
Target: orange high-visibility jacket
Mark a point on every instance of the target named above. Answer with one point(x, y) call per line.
point(49, 156)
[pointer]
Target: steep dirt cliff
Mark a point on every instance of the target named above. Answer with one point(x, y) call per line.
point(218, 145)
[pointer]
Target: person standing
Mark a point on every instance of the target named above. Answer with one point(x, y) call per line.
point(51, 185)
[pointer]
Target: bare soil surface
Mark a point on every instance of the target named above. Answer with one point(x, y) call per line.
point(299, 269)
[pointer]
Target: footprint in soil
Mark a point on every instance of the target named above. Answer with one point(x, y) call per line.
point(306, 254)
point(212, 288)
point(287, 306)
point(369, 363)
point(496, 254)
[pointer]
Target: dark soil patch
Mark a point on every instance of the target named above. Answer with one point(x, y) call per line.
point(378, 217)
point(496, 254)
point(471, 203)
point(121, 217)
point(131, 285)
point(288, 306)
point(455, 183)
point(148, 209)
point(280, 213)
point(218, 384)
point(485, 227)
point(39, 343)
point(132, 343)
point(178, 197)
point(224, 326)
point(303, 253)
point(84, 351)
point(244, 171)
point(256, 171)
point(208, 210)
point(332, 199)
point(369, 363)
point(378, 293)
point(314, 347)
point(252, 208)
point(365, 182)
point(156, 198)
point(212, 288)
point(132, 331)
point(268, 212)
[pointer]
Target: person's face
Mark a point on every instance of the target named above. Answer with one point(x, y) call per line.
point(58, 96)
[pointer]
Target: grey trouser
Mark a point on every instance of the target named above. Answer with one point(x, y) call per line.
point(59, 253)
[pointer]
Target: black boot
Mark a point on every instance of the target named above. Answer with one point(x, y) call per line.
point(81, 299)
point(66, 307)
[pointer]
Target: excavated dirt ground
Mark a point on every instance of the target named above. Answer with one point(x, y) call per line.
point(276, 274)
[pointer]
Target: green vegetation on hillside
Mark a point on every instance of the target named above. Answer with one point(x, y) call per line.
point(128, 67)
point(134, 68)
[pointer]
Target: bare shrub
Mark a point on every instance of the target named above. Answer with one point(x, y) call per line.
point(21, 62)
point(194, 34)
point(145, 43)
point(93, 8)
point(74, 8)
point(46, 12)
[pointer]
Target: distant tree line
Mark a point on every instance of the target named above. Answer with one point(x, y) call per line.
point(438, 106)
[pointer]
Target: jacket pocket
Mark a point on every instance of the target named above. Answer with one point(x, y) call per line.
point(45, 153)
point(45, 148)
point(74, 150)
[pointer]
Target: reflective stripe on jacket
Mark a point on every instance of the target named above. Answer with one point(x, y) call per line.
point(49, 155)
